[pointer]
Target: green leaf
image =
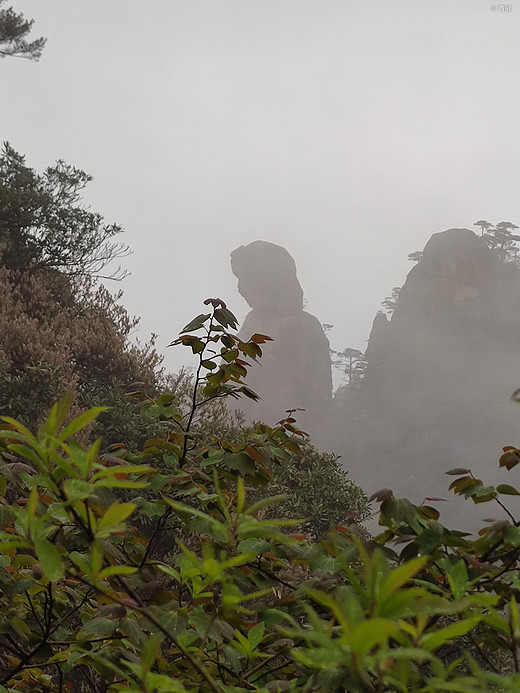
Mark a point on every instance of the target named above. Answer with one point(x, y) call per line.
point(243, 645)
point(325, 564)
point(20, 428)
point(81, 422)
point(6, 516)
point(97, 627)
point(151, 650)
point(197, 345)
point(407, 603)
point(431, 641)
point(369, 633)
point(183, 509)
point(57, 416)
point(117, 570)
point(120, 483)
point(115, 514)
point(27, 453)
point(254, 545)
point(233, 658)
point(508, 490)
point(201, 621)
point(230, 354)
point(49, 558)
point(265, 502)
point(121, 469)
point(429, 540)
point(458, 578)
point(256, 634)
point(32, 503)
point(196, 323)
point(169, 571)
point(241, 494)
point(225, 318)
point(401, 575)
point(480, 494)
point(512, 536)
point(77, 489)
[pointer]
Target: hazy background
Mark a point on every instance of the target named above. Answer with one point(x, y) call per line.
point(346, 131)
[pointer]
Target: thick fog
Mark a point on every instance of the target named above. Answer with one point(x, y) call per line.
point(346, 132)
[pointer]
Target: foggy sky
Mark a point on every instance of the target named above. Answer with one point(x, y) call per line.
point(348, 132)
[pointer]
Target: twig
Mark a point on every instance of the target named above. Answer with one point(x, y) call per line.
point(141, 608)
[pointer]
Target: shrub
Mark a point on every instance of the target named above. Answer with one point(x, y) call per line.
point(59, 331)
point(90, 601)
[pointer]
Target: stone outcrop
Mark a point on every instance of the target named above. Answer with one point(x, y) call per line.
point(295, 370)
point(440, 376)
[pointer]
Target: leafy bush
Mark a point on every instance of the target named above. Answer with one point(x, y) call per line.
point(59, 331)
point(317, 489)
point(95, 597)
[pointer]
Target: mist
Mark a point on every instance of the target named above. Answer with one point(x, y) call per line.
point(347, 134)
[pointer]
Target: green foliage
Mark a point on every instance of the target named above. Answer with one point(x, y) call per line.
point(501, 239)
point(59, 331)
point(44, 225)
point(315, 487)
point(14, 30)
point(390, 302)
point(482, 569)
point(54, 338)
point(352, 363)
point(158, 570)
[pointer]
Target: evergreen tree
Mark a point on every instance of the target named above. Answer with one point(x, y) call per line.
point(14, 31)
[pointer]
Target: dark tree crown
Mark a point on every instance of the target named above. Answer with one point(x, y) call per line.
point(14, 31)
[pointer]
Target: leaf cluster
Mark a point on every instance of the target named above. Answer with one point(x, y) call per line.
point(95, 595)
point(45, 225)
point(14, 31)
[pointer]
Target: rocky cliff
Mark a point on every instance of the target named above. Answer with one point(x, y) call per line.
point(295, 370)
point(440, 376)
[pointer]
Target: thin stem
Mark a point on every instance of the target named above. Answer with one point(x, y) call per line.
point(160, 525)
point(141, 608)
point(195, 392)
point(507, 511)
point(34, 613)
point(26, 658)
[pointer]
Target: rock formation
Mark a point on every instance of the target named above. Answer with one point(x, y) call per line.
point(440, 376)
point(295, 370)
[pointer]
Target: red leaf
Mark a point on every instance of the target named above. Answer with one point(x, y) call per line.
point(260, 339)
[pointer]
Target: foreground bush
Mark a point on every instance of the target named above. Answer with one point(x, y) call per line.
point(155, 572)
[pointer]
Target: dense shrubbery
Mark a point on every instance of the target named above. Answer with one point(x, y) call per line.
point(313, 484)
point(154, 571)
point(59, 330)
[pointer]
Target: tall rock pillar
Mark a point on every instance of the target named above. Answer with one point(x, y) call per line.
point(295, 370)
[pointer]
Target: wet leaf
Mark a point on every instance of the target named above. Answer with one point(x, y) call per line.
point(49, 558)
point(196, 323)
point(508, 490)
